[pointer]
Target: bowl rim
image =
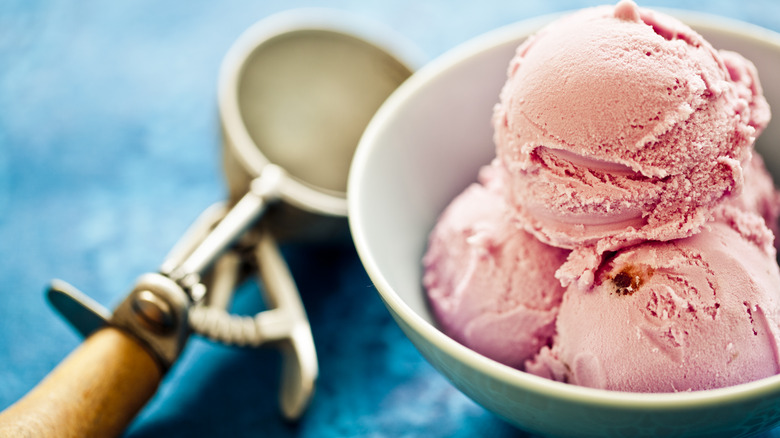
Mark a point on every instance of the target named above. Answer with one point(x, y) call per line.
point(452, 58)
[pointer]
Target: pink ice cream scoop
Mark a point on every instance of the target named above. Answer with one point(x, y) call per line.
point(696, 313)
point(619, 124)
point(491, 285)
point(623, 238)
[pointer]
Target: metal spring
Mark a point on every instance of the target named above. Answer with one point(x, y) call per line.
point(220, 326)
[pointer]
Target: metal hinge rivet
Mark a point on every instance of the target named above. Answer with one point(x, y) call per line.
point(153, 311)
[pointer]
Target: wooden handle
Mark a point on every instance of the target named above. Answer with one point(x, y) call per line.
point(95, 392)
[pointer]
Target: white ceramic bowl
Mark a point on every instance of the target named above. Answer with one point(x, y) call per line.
point(422, 148)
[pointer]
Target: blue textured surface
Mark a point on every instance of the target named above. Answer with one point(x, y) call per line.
point(109, 148)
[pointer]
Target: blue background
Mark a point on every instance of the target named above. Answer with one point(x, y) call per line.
point(109, 148)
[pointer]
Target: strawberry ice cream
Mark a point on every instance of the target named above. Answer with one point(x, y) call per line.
point(617, 125)
point(689, 314)
point(623, 237)
point(486, 276)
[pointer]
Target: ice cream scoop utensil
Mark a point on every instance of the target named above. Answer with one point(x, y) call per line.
point(296, 92)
